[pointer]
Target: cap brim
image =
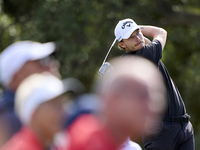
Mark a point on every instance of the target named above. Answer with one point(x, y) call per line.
point(42, 50)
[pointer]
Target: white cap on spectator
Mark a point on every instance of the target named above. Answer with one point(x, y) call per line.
point(35, 90)
point(125, 28)
point(16, 55)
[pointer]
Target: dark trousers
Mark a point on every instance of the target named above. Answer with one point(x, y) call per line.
point(173, 136)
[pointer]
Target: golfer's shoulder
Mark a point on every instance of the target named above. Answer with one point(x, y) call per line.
point(154, 43)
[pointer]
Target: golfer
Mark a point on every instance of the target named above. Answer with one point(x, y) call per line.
point(175, 132)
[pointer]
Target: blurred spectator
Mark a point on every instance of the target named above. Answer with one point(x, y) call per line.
point(18, 61)
point(90, 104)
point(133, 101)
point(38, 104)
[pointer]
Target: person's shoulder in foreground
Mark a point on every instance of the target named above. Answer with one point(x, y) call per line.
point(86, 133)
point(23, 140)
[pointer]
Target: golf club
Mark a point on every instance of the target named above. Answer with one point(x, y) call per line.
point(106, 67)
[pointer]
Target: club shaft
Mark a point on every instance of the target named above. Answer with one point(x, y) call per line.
point(109, 51)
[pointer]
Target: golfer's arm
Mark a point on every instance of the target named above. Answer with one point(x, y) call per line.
point(146, 40)
point(155, 33)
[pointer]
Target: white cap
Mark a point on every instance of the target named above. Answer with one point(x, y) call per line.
point(35, 90)
point(17, 54)
point(125, 28)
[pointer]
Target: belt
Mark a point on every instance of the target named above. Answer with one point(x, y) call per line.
point(181, 119)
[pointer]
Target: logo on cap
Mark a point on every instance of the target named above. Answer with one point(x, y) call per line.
point(127, 24)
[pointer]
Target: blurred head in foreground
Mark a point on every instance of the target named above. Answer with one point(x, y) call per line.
point(21, 59)
point(134, 96)
point(38, 104)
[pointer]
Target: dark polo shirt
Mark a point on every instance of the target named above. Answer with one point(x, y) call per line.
point(153, 52)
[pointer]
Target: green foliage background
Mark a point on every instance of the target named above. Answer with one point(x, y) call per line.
point(83, 31)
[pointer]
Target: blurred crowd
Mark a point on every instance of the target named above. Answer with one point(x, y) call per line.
point(41, 111)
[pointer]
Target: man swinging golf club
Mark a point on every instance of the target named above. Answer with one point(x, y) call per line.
point(175, 132)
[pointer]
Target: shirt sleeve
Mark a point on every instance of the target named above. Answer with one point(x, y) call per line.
point(151, 51)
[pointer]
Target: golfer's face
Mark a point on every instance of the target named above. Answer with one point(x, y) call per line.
point(135, 41)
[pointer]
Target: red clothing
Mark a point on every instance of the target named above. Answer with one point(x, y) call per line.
point(86, 133)
point(25, 139)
